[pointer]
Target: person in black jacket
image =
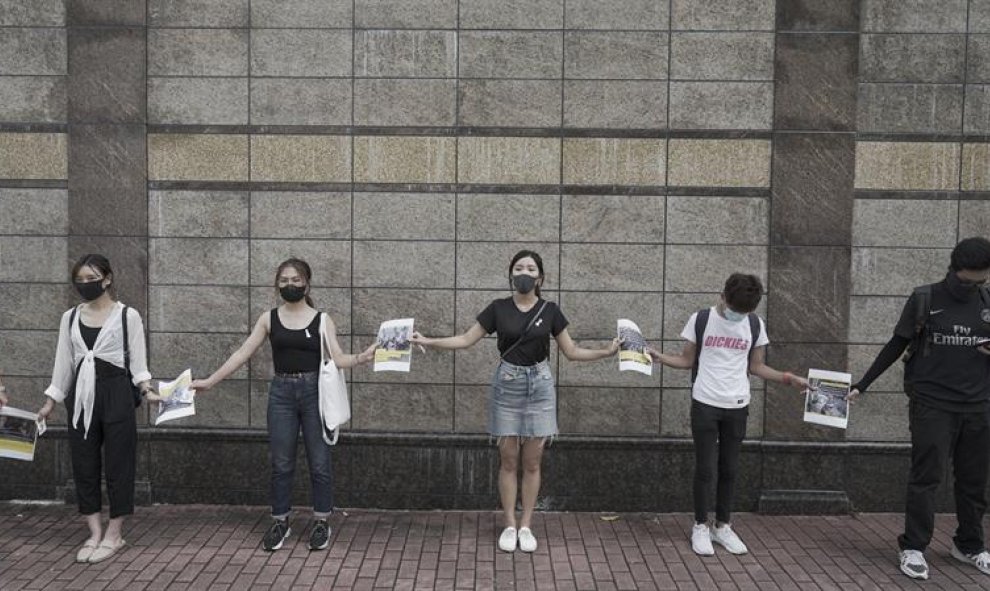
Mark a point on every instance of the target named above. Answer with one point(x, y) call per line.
point(947, 379)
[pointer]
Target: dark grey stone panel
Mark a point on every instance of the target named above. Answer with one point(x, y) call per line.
point(910, 108)
point(105, 12)
point(129, 258)
point(808, 297)
point(818, 15)
point(107, 176)
point(812, 183)
point(784, 408)
point(107, 75)
point(815, 79)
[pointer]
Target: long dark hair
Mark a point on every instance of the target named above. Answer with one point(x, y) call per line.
point(536, 258)
point(301, 267)
point(99, 263)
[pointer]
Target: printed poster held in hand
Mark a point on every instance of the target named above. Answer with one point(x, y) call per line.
point(825, 402)
point(19, 430)
point(632, 349)
point(394, 352)
point(178, 399)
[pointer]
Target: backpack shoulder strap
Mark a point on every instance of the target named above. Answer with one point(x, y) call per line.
point(754, 330)
point(700, 323)
point(754, 335)
point(922, 306)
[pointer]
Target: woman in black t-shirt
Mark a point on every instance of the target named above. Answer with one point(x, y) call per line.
point(293, 398)
point(522, 411)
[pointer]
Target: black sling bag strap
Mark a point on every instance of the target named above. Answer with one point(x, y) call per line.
point(525, 331)
point(135, 391)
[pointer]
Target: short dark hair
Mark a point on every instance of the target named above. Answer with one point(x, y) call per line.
point(971, 254)
point(743, 292)
point(99, 263)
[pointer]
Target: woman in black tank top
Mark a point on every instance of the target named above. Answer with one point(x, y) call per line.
point(293, 329)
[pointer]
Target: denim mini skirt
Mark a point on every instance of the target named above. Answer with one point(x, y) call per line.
point(523, 401)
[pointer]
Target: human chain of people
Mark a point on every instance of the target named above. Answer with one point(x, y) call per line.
point(943, 334)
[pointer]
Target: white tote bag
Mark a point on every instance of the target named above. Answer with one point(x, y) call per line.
point(335, 408)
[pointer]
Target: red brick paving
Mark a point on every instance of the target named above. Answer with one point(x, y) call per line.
point(206, 548)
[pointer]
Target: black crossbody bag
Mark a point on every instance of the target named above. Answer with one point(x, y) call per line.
point(525, 331)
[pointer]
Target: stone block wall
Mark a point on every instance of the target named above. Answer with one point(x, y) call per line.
point(407, 148)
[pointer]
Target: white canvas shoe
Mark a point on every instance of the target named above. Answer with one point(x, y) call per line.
point(507, 541)
point(527, 541)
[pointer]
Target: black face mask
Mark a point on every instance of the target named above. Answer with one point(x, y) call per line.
point(89, 290)
point(958, 289)
point(523, 283)
point(292, 293)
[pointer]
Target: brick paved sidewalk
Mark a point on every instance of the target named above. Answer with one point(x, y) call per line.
point(218, 547)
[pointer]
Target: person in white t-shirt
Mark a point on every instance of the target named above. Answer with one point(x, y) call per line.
point(732, 345)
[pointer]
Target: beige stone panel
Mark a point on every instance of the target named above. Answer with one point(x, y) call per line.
point(521, 160)
point(608, 161)
point(907, 165)
point(719, 163)
point(33, 156)
point(976, 167)
point(301, 158)
point(197, 157)
point(404, 159)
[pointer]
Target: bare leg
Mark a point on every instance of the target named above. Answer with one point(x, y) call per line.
point(532, 457)
point(113, 530)
point(508, 474)
point(95, 528)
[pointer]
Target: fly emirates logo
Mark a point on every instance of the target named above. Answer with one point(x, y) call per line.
point(727, 343)
point(961, 336)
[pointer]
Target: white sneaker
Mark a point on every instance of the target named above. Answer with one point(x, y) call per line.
point(527, 541)
point(701, 540)
point(507, 541)
point(913, 564)
point(980, 560)
point(725, 537)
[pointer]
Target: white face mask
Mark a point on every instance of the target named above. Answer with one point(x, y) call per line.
point(733, 316)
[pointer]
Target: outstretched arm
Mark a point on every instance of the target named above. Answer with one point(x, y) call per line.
point(239, 357)
point(570, 349)
point(685, 360)
point(461, 341)
point(345, 360)
point(758, 367)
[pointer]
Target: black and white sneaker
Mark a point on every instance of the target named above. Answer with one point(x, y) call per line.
point(319, 538)
point(913, 564)
point(276, 534)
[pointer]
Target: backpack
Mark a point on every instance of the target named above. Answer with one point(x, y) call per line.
point(701, 322)
point(922, 307)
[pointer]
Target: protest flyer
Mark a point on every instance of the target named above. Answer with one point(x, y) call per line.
point(825, 401)
point(394, 352)
point(18, 434)
point(178, 399)
point(632, 348)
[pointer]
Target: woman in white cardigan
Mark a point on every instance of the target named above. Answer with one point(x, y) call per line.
point(91, 378)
